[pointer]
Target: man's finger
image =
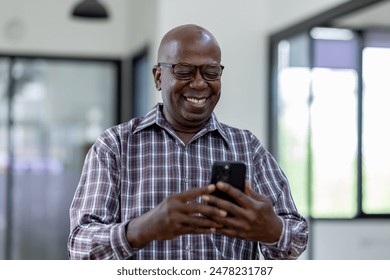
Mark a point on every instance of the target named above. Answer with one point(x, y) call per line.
point(195, 193)
point(239, 196)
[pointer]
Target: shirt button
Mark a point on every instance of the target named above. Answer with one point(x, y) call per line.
point(186, 180)
point(125, 254)
point(188, 248)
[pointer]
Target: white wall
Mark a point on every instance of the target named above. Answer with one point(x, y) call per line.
point(141, 31)
point(46, 27)
point(283, 13)
point(351, 240)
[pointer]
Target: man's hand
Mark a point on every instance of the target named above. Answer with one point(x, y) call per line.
point(174, 216)
point(254, 219)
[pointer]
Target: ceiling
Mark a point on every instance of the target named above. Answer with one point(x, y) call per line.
point(376, 15)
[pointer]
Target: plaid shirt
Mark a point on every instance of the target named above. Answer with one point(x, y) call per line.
point(133, 166)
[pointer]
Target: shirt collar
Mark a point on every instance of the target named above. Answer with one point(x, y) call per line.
point(155, 116)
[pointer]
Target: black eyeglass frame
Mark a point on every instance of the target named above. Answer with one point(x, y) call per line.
point(195, 67)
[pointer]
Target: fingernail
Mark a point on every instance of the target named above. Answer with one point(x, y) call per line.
point(211, 187)
point(213, 230)
point(223, 213)
point(206, 198)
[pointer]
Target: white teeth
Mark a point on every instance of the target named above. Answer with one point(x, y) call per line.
point(197, 101)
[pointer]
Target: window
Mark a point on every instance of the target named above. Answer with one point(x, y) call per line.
point(54, 112)
point(329, 97)
point(376, 135)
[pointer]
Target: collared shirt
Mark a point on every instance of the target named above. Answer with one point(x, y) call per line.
point(133, 166)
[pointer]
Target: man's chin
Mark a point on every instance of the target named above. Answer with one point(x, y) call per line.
point(195, 119)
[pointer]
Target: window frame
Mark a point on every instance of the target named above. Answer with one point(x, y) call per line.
point(321, 20)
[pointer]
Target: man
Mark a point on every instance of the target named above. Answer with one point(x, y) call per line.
point(144, 192)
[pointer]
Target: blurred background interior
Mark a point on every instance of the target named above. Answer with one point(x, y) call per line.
point(309, 78)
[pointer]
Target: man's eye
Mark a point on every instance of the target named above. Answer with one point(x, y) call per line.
point(211, 74)
point(183, 73)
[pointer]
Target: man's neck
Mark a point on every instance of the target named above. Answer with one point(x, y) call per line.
point(185, 136)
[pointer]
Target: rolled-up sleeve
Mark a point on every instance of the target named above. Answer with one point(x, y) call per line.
point(292, 242)
point(96, 229)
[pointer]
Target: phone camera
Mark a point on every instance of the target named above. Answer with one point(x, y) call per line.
point(223, 173)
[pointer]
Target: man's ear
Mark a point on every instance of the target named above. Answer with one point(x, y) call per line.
point(157, 76)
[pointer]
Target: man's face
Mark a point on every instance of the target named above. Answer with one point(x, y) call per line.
point(188, 104)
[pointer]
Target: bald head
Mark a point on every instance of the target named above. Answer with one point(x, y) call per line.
point(185, 38)
point(189, 58)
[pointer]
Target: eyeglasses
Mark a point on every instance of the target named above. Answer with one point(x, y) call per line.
point(183, 71)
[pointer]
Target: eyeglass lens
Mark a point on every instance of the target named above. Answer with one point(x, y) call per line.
point(187, 71)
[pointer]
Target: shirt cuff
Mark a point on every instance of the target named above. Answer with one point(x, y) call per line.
point(121, 247)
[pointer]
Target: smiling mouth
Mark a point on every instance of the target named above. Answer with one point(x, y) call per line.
point(196, 101)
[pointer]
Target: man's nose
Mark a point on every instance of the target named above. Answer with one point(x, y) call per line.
point(198, 82)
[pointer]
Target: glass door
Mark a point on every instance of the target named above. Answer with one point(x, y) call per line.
point(58, 109)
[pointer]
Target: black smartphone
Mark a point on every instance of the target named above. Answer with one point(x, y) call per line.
point(231, 172)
